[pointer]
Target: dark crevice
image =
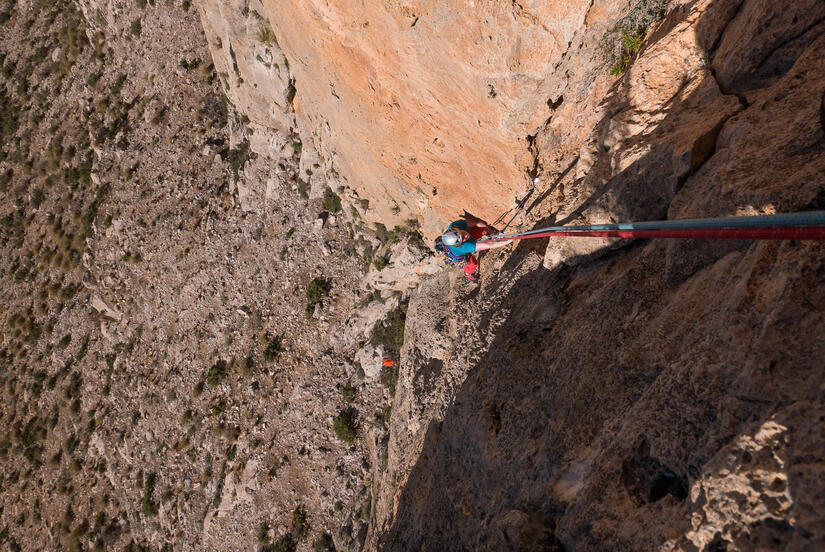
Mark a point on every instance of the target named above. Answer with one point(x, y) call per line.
point(703, 149)
point(743, 101)
point(715, 46)
point(647, 480)
point(533, 171)
point(822, 112)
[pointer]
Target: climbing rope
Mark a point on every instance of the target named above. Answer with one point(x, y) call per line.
point(787, 226)
point(519, 205)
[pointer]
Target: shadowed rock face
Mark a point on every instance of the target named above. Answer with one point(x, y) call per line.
point(650, 395)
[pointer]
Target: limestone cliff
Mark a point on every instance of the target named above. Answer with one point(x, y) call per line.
point(650, 395)
point(422, 108)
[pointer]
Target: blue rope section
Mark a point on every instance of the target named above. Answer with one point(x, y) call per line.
point(782, 220)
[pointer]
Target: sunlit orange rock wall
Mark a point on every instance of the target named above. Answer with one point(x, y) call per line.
point(425, 107)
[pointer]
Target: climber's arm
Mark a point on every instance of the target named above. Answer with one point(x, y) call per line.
point(490, 244)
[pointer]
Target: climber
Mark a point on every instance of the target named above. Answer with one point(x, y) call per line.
point(459, 242)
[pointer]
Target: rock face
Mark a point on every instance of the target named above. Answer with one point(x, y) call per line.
point(424, 109)
point(661, 395)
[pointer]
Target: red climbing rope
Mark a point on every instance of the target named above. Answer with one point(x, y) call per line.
point(790, 233)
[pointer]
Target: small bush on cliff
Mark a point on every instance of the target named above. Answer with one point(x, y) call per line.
point(324, 543)
point(317, 290)
point(389, 332)
point(389, 378)
point(216, 373)
point(274, 347)
point(622, 41)
point(345, 425)
point(349, 392)
point(284, 544)
point(266, 34)
point(332, 202)
point(299, 522)
point(150, 507)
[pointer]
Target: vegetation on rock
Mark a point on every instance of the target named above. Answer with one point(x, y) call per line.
point(625, 38)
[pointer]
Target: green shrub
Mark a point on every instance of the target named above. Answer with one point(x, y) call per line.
point(283, 544)
point(389, 378)
point(135, 28)
point(303, 188)
point(117, 86)
point(332, 202)
point(216, 373)
point(324, 543)
point(274, 347)
point(389, 332)
point(150, 507)
point(345, 425)
point(317, 290)
point(266, 35)
point(263, 533)
point(388, 236)
point(299, 522)
point(238, 156)
point(247, 366)
point(625, 38)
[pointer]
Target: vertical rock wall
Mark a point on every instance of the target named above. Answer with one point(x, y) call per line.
point(424, 108)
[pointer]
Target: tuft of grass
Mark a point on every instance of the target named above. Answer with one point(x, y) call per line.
point(135, 28)
point(346, 426)
point(266, 34)
point(389, 378)
point(324, 543)
point(625, 38)
point(238, 156)
point(299, 522)
point(303, 188)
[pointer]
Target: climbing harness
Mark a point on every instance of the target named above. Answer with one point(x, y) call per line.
point(519, 205)
point(786, 226)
